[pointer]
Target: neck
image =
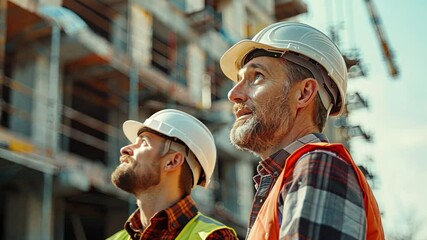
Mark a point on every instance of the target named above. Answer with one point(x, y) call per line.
point(154, 200)
point(301, 126)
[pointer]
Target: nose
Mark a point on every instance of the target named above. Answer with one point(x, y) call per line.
point(238, 93)
point(127, 150)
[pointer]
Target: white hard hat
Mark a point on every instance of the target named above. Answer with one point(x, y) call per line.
point(306, 43)
point(188, 129)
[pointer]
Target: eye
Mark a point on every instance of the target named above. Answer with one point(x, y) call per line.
point(258, 77)
point(142, 141)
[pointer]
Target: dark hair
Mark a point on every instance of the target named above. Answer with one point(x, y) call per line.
point(186, 178)
point(298, 73)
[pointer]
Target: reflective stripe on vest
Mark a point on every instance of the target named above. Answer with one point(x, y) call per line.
point(266, 225)
point(199, 227)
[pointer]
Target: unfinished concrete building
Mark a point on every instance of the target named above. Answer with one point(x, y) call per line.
point(71, 71)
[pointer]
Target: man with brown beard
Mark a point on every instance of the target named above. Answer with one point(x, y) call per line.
point(288, 79)
point(171, 152)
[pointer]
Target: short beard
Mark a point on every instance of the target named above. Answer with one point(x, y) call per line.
point(125, 177)
point(266, 127)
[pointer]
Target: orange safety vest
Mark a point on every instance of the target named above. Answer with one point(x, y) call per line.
point(266, 225)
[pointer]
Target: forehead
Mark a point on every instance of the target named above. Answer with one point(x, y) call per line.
point(269, 65)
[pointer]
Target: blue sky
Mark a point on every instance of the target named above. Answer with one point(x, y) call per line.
point(397, 114)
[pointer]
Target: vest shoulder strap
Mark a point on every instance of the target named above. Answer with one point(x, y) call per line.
point(200, 227)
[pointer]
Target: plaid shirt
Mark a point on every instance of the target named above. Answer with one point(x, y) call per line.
point(322, 199)
point(168, 223)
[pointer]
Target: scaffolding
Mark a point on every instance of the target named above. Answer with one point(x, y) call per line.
point(72, 71)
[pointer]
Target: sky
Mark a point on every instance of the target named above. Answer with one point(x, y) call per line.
point(397, 113)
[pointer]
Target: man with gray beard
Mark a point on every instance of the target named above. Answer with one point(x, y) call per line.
point(288, 79)
point(171, 153)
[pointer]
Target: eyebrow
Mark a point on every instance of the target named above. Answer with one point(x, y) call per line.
point(140, 131)
point(254, 66)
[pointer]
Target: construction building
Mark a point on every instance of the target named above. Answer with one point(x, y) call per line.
point(72, 71)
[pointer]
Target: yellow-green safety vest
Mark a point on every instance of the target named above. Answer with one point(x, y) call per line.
point(198, 228)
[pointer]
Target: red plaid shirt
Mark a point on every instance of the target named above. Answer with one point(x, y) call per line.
point(168, 223)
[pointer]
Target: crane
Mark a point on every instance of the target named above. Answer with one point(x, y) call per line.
point(392, 67)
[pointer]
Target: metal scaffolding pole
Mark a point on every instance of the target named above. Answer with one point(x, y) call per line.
point(133, 73)
point(53, 111)
point(133, 93)
point(46, 223)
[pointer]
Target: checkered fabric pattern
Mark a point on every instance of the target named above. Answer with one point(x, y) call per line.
point(322, 199)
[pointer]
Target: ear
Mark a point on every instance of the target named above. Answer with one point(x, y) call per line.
point(307, 91)
point(174, 161)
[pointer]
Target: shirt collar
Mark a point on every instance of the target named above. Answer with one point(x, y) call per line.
point(175, 217)
point(274, 164)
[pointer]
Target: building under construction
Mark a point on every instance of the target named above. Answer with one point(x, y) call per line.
point(72, 71)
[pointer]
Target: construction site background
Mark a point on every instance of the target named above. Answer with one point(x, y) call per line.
point(72, 71)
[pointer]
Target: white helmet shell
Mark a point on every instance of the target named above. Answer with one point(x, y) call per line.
point(177, 124)
point(297, 38)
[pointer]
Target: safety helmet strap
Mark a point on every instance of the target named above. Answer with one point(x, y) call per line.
point(177, 145)
point(189, 156)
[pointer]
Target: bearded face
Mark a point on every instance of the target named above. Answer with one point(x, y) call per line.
point(140, 171)
point(268, 119)
point(261, 105)
point(131, 178)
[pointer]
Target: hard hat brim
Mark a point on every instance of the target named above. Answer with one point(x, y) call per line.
point(231, 60)
point(131, 128)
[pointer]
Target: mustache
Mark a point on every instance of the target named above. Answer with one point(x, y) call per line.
point(126, 158)
point(239, 106)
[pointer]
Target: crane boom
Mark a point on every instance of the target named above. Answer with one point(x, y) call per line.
point(392, 67)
